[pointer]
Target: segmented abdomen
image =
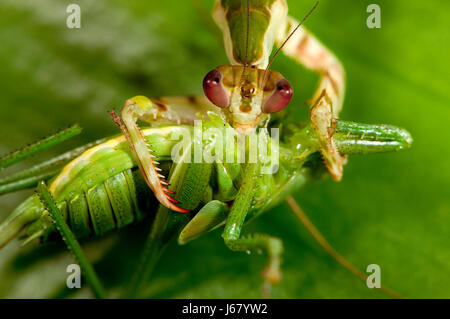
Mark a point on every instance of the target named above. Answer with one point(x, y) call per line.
point(109, 205)
point(113, 204)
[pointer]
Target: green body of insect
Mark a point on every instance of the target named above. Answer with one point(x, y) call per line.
point(119, 181)
point(102, 189)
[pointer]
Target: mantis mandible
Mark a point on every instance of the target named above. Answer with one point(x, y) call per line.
point(96, 188)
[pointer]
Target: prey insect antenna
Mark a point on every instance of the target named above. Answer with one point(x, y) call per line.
point(285, 41)
point(329, 249)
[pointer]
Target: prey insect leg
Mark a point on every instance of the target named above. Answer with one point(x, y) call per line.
point(70, 240)
point(256, 242)
point(327, 100)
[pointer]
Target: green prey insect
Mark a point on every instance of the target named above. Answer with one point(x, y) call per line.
point(115, 182)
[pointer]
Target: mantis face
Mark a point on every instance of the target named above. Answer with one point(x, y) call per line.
point(246, 90)
point(247, 94)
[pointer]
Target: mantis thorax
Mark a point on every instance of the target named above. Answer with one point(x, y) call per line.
point(264, 18)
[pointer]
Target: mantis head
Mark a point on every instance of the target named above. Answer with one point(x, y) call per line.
point(246, 89)
point(247, 95)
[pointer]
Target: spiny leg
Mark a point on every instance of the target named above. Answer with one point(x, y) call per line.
point(231, 235)
point(189, 181)
point(155, 111)
point(39, 146)
point(327, 100)
point(53, 164)
point(30, 177)
point(70, 240)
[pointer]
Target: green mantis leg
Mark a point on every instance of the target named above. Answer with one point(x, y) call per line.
point(70, 240)
point(232, 233)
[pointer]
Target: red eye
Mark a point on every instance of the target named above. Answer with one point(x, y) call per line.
point(280, 98)
point(214, 90)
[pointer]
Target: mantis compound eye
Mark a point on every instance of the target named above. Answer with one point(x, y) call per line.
point(214, 89)
point(280, 97)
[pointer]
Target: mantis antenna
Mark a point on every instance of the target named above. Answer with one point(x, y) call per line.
point(246, 40)
point(285, 41)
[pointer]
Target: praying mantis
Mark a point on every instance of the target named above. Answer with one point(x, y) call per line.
point(119, 180)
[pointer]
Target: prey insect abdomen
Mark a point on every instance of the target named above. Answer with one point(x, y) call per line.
point(105, 207)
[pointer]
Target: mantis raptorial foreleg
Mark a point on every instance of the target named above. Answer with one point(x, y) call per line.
point(189, 182)
point(155, 111)
point(327, 100)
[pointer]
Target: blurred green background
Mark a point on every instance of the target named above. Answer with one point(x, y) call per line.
point(390, 209)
